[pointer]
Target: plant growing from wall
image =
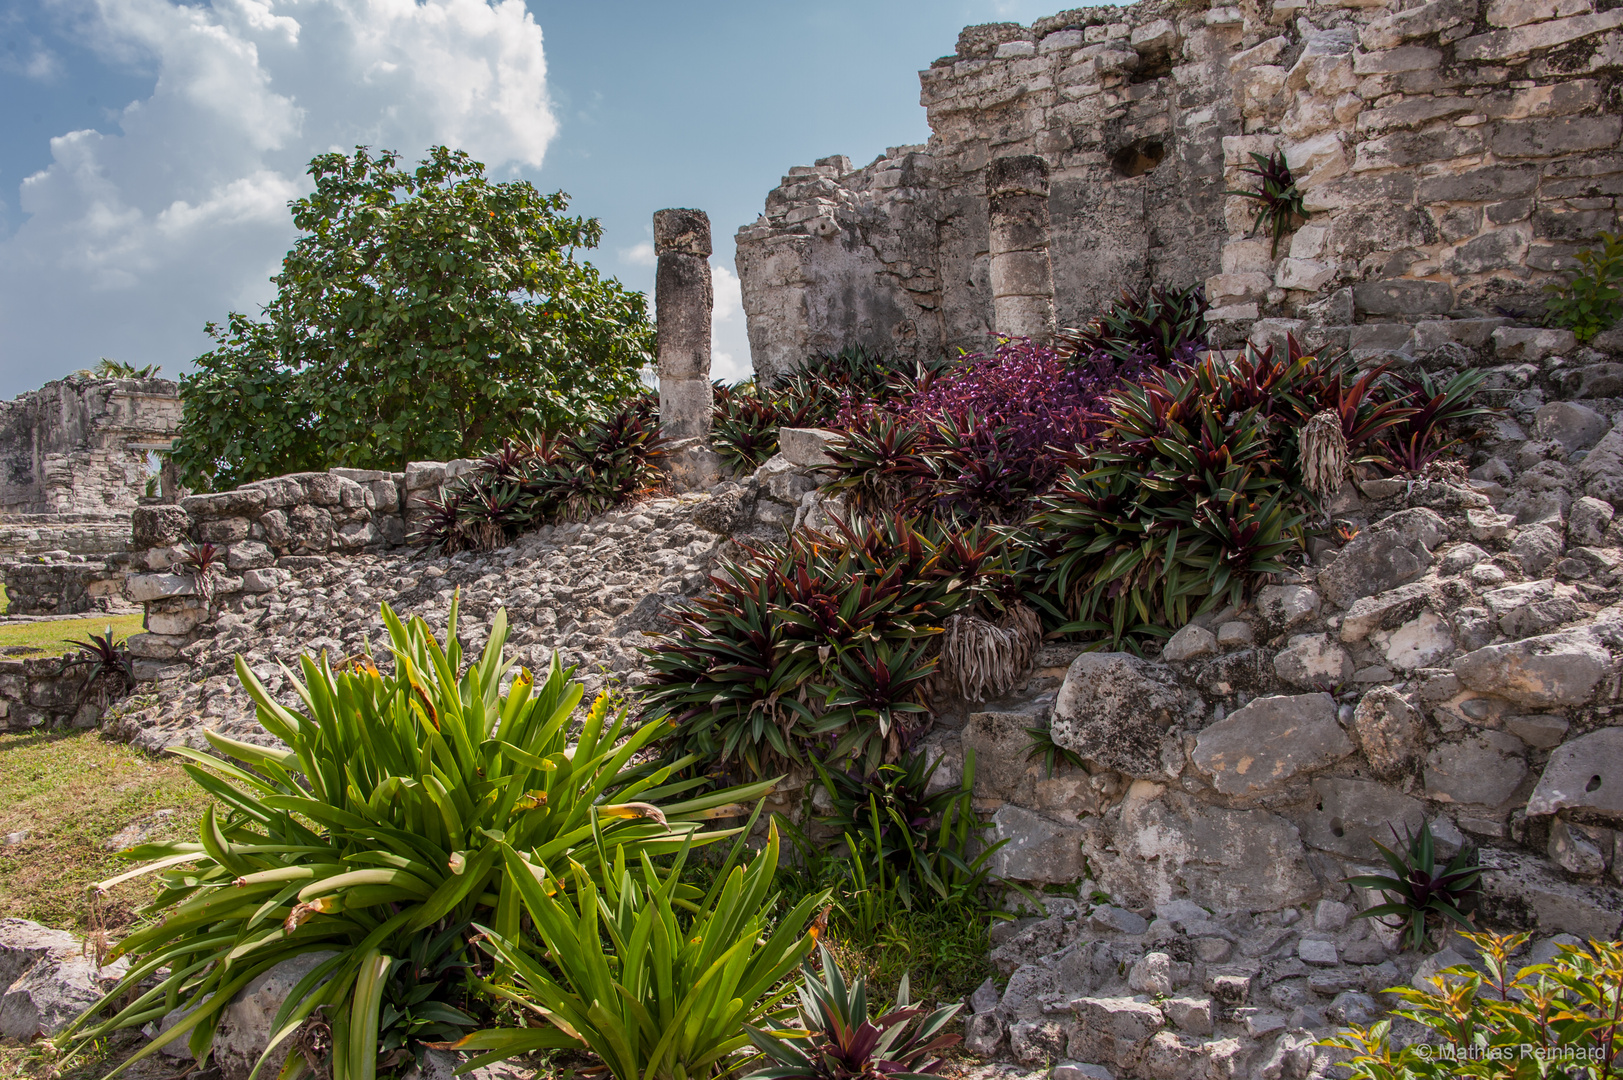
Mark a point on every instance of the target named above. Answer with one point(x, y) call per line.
point(394, 806)
point(1279, 203)
point(838, 1040)
point(1043, 748)
point(655, 981)
point(118, 369)
point(1590, 300)
point(1561, 1018)
point(1422, 894)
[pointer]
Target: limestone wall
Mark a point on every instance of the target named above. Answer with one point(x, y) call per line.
point(76, 450)
point(39, 693)
point(64, 584)
point(1452, 154)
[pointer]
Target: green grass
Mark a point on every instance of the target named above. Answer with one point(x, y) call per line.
point(31, 640)
point(71, 791)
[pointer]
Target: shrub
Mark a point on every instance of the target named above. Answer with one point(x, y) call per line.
point(746, 418)
point(1279, 202)
point(743, 428)
point(1153, 324)
point(825, 642)
point(1590, 300)
point(1560, 1018)
point(889, 817)
point(838, 1040)
point(1422, 894)
point(672, 990)
point(397, 809)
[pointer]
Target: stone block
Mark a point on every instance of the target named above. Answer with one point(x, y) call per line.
point(1576, 427)
point(143, 588)
point(1479, 185)
point(1524, 892)
point(1549, 670)
point(1403, 297)
point(1579, 849)
point(1587, 521)
point(806, 447)
point(424, 475)
point(1192, 642)
point(1388, 730)
point(1511, 343)
point(1114, 1031)
point(1368, 339)
point(249, 555)
point(1584, 774)
point(242, 502)
point(1286, 607)
point(1513, 13)
point(1432, 334)
point(1421, 21)
point(1262, 747)
point(1500, 45)
point(158, 526)
point(1038, 850)
point(1551, 136)
point(1306, 274)
point(1391, 552)
point(224, 530)
point(1346, 816)
point(1485, 769)
point(1385, 611)
point(1119, 711)
point(1313, 660)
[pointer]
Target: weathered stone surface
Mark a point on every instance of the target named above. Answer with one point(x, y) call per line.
point(1583, 774)
point(1578, 849)
point(1114, 1031)
point(1574, 426)
point(1038, 850)
point(1117, 710)
point(1549, 670)
point(1531, 343)
point(46, 980)
point(1389, 553)
point(1190, 643)
point(145, 587)
point(1385, 611)
point(1421, 642)
point(998, 739)
point(1486, 769)
point(244, 1029)
point(1521, 891)
point(1159, 844)
point(1602, 471)
point(1388, 730)
point(806, 447)
point(1313, 660)
point(1587, 521)
point(1262, 747)
point(158, 526)
point(1286, 607)
point(1347, 815)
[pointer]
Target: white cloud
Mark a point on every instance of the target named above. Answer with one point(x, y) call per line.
point(639, 254)
point(41, 64)
point(130, 241)
point(729, 339)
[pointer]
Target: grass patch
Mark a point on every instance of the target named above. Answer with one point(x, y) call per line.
point(71, 791)
point(31, 640)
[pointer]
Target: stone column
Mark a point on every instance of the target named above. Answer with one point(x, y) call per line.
point(1022, 275)
point(683, 299)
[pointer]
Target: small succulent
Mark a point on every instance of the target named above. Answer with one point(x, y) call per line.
point(1423, 893)
point(840, 1042)
point(100, 656)
point(1044, 749)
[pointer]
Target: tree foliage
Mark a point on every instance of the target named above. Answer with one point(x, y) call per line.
point(420, 315)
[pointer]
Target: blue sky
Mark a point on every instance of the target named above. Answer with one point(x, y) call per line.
point(148, 148)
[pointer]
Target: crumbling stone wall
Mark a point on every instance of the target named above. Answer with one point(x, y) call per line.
point(59, 583)
point(1452, 153)
point(77, 449)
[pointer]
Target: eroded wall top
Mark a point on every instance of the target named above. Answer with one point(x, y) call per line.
point(1452, 154)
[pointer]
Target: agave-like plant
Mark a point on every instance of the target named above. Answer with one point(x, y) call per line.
point(1280, 203)
point(1421, 893)
point(1156, 323)
point(839, 1041)
point(394, 806)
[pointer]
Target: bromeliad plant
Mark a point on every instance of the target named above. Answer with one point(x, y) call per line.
point(1421, 893)
point(395, 806)
point(1154, 324)
point(1279, 202)
point(825, 643)
point(668, 995)
point(526, 483)
point(837, 1040)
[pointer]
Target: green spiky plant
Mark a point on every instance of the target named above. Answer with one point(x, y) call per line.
point(395, 806)
point(838, 1040)
point(1156, 322)
point(1422, 894)
point(682, 976)
point(1279, 201)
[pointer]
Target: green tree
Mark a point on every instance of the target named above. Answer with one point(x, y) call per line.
point(420, 315)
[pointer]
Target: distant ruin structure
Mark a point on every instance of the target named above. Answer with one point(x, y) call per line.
point(76, 460)
point(684, 298)
point(1452, 155)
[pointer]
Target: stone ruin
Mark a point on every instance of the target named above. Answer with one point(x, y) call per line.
point(74, 464)
point(1452, 155)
